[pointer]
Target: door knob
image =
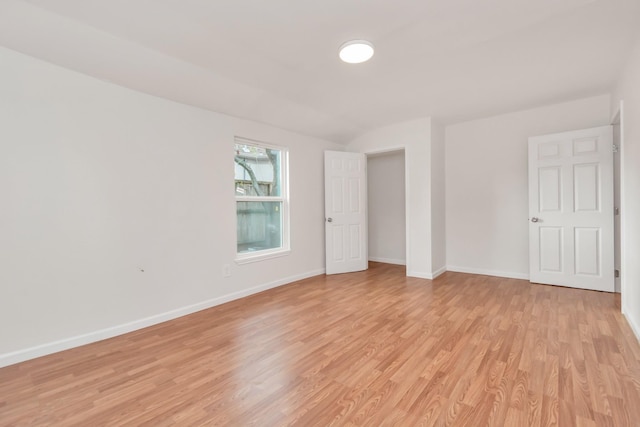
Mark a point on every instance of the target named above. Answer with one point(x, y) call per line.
point(329, 219)
point(534, 219)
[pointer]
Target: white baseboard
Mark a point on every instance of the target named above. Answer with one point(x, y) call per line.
point(419, 274)
point(439, 272)
point(508, 274)
point(428, 276)
point(18, 356)
point(634, 326)
point(388, 260)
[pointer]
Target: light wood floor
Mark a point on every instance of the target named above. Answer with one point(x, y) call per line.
point(372, 348)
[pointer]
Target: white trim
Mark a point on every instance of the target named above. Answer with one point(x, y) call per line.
point(408, 235)
point(18, 356)
point(249, 141)
point(623, 217)
point(407, 193)
point(386, 150)
point(271, 199)
point(249, 257)
point(388, 260)
point(508, 274)
point(419, 275)
point(283, 198)
point(634, 327)
point(439, 272)
point(428, 276)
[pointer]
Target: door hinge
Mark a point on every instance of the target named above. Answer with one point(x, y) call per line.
point(616, 274)
point(615, 148)
point(616, 211)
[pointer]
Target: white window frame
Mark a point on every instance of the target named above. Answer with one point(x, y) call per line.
point(284, 249)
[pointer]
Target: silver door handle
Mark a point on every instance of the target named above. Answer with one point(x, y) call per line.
point(329, 219)
point(534, 219)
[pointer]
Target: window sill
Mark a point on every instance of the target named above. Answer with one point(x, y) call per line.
point(248, 258)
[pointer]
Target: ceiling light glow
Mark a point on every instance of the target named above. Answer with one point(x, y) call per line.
point(356, 51)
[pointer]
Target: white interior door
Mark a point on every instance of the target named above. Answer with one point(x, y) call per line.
point(345, 184)
point(571, 209)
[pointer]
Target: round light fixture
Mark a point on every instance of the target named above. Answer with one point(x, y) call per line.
point(356, 51)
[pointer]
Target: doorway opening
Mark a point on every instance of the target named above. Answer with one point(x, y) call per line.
point(387, 207)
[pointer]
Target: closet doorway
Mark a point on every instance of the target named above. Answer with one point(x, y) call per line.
point(387, 207)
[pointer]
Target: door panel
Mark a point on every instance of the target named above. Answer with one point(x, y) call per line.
point(586, 187)
point(345, 212)
point(551, 255)
point(354, 243)
point(550, 189)
point(587, 251)
point(571, 209)
point(354, 195)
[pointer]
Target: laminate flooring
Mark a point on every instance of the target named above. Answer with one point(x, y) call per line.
point(370, 348)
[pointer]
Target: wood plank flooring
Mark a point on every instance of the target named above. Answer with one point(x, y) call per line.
point(372, 348)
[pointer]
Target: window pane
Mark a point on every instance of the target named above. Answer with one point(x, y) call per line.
point(259, 226)
point(257, 171)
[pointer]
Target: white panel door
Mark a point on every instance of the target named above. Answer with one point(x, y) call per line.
point(571, 209)
point(345, 204)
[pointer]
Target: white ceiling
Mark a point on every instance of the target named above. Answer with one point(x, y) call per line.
point(276, 61)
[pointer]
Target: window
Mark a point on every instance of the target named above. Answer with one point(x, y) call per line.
point(261, 200)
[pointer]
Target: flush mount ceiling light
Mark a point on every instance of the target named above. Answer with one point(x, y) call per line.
point(356, 51)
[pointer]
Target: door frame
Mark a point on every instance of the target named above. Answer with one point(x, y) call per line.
point(407, 188)
point(382, 152)
point(618, 118)
point(566, 276)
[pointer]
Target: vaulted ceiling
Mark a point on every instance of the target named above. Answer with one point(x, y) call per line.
point(276, 61)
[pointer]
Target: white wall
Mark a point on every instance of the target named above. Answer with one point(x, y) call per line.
point(386, 207)
point(486, 183)
point(628, 90)
point(99, 183)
